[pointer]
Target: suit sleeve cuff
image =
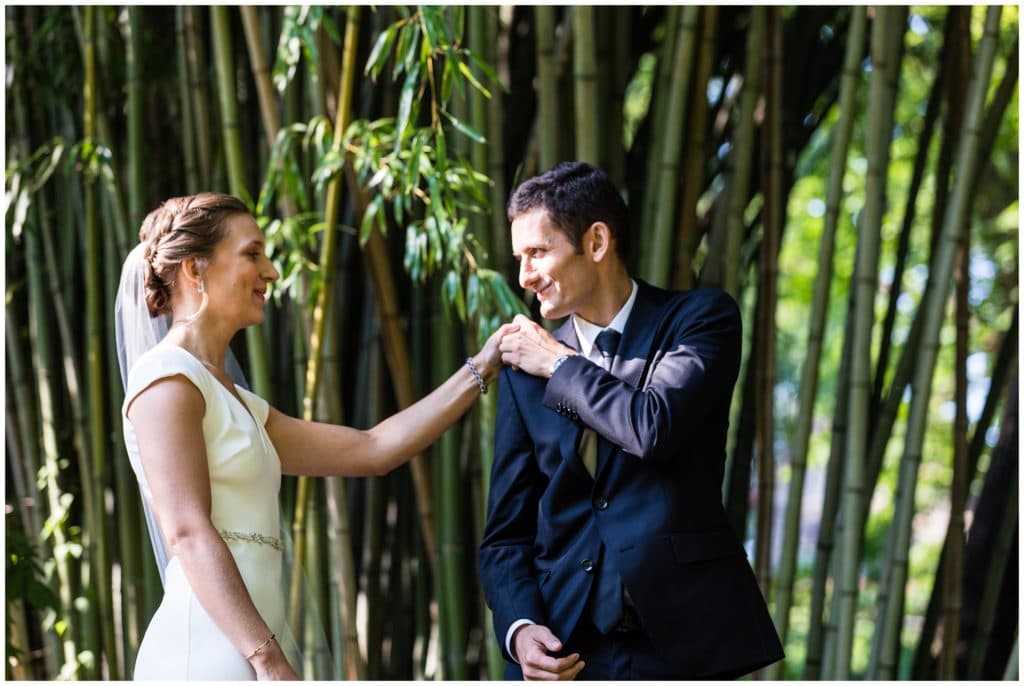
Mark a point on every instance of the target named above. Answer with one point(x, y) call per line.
point(510, 633)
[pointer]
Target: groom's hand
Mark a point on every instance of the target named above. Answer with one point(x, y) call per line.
point(533, 642)
point(532, 348)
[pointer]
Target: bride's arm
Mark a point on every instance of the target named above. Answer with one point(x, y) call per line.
point(317, 449)
point(167, 418)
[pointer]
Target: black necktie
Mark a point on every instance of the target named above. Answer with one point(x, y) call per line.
point(607, 343)
point(606, 602)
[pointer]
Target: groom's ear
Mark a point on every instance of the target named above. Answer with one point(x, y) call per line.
point(597, 241)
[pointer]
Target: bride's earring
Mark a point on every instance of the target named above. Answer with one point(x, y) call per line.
point(202, 288)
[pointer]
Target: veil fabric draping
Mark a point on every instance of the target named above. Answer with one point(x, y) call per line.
point(136, 332)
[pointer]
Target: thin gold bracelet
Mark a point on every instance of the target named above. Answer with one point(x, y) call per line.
point(259, 648)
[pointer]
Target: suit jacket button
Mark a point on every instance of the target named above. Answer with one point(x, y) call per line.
point(587, 565)
point(600, 503)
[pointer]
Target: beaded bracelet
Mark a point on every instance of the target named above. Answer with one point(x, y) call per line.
point(260, 647)
point(476, 374)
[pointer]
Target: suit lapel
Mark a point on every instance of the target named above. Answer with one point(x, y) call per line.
point(632, 356)
point(568, 444)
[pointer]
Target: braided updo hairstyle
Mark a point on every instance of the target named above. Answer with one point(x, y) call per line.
point(189, 226)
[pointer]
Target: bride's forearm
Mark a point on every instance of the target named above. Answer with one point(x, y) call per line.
point(318, 449)
point(412, 430)
point(214, 577)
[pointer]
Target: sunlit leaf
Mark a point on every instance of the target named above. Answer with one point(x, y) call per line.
point(464, 128)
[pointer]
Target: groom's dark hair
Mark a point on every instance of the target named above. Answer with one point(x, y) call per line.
point(575, 195)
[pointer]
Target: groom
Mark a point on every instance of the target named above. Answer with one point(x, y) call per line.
point(607, 553)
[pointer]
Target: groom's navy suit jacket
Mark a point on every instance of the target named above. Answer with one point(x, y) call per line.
point(653, 508)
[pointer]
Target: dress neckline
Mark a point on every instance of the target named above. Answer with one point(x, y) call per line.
point(234, 396)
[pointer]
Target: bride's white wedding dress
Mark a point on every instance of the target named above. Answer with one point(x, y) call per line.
point(181, 641)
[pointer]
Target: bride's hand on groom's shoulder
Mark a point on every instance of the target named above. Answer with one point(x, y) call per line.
point(532, 348)
point(488, 360)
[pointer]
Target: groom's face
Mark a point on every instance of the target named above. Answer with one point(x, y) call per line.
point(549, 265)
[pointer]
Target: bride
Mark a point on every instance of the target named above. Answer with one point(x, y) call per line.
point(209, 454)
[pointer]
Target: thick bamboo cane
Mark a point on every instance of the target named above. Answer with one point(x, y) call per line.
point(324, 297)
point(131, 28)
point(854, 501)
point(257, 347)
point(738, 194)
point(816, 325)
point(584, 73)
point(450, 578)
point(952, 587)
point(188, 132)
point(547, 86)
point(933, 306)
point(659, 251)
point(772, 222)
point(197, 75)
point(692, 180)
point(94, 370)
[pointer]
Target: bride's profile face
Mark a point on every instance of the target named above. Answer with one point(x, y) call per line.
point(239, 273)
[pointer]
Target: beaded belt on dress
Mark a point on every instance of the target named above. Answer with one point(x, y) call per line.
point(251, 537)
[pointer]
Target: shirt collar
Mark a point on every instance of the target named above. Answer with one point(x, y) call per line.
point(587, 332)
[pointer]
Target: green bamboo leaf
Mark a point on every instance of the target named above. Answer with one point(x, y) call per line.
point(405, 103)
point(488, 71)
point(331, 28)
point(473, 295)
point(431, 37)
point(466, 129)
point(468, 73)
point(405, 36)
point(414, 45)
point(414, 163)
point(379, 54)
point(368, 217)
point(458, 21)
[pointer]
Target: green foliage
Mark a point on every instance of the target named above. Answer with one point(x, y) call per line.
point(25, 580)
point(298, 40)
point(410, 178)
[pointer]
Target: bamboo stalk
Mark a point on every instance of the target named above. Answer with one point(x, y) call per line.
point(57, 501)
point(917, 176)
point(744, 151)
point(498, 245)
point(998, 568)
point(324, 297)
point(94, 369)
point(933, 306)
point(188, 130)
point(584, 85)
point(854, 502)
point(816, 328)
point(660, 250)
point(547, 86)
point(821, 633)
point(953, 582)
point(131, 27)
point(1000, 375)
point(692, 180)
point(196, 59)
point(451, 563)
point(658, 109)
point(774, 216)
point(258, 364)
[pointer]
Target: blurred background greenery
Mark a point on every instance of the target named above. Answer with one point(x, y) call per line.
point(850, 175)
